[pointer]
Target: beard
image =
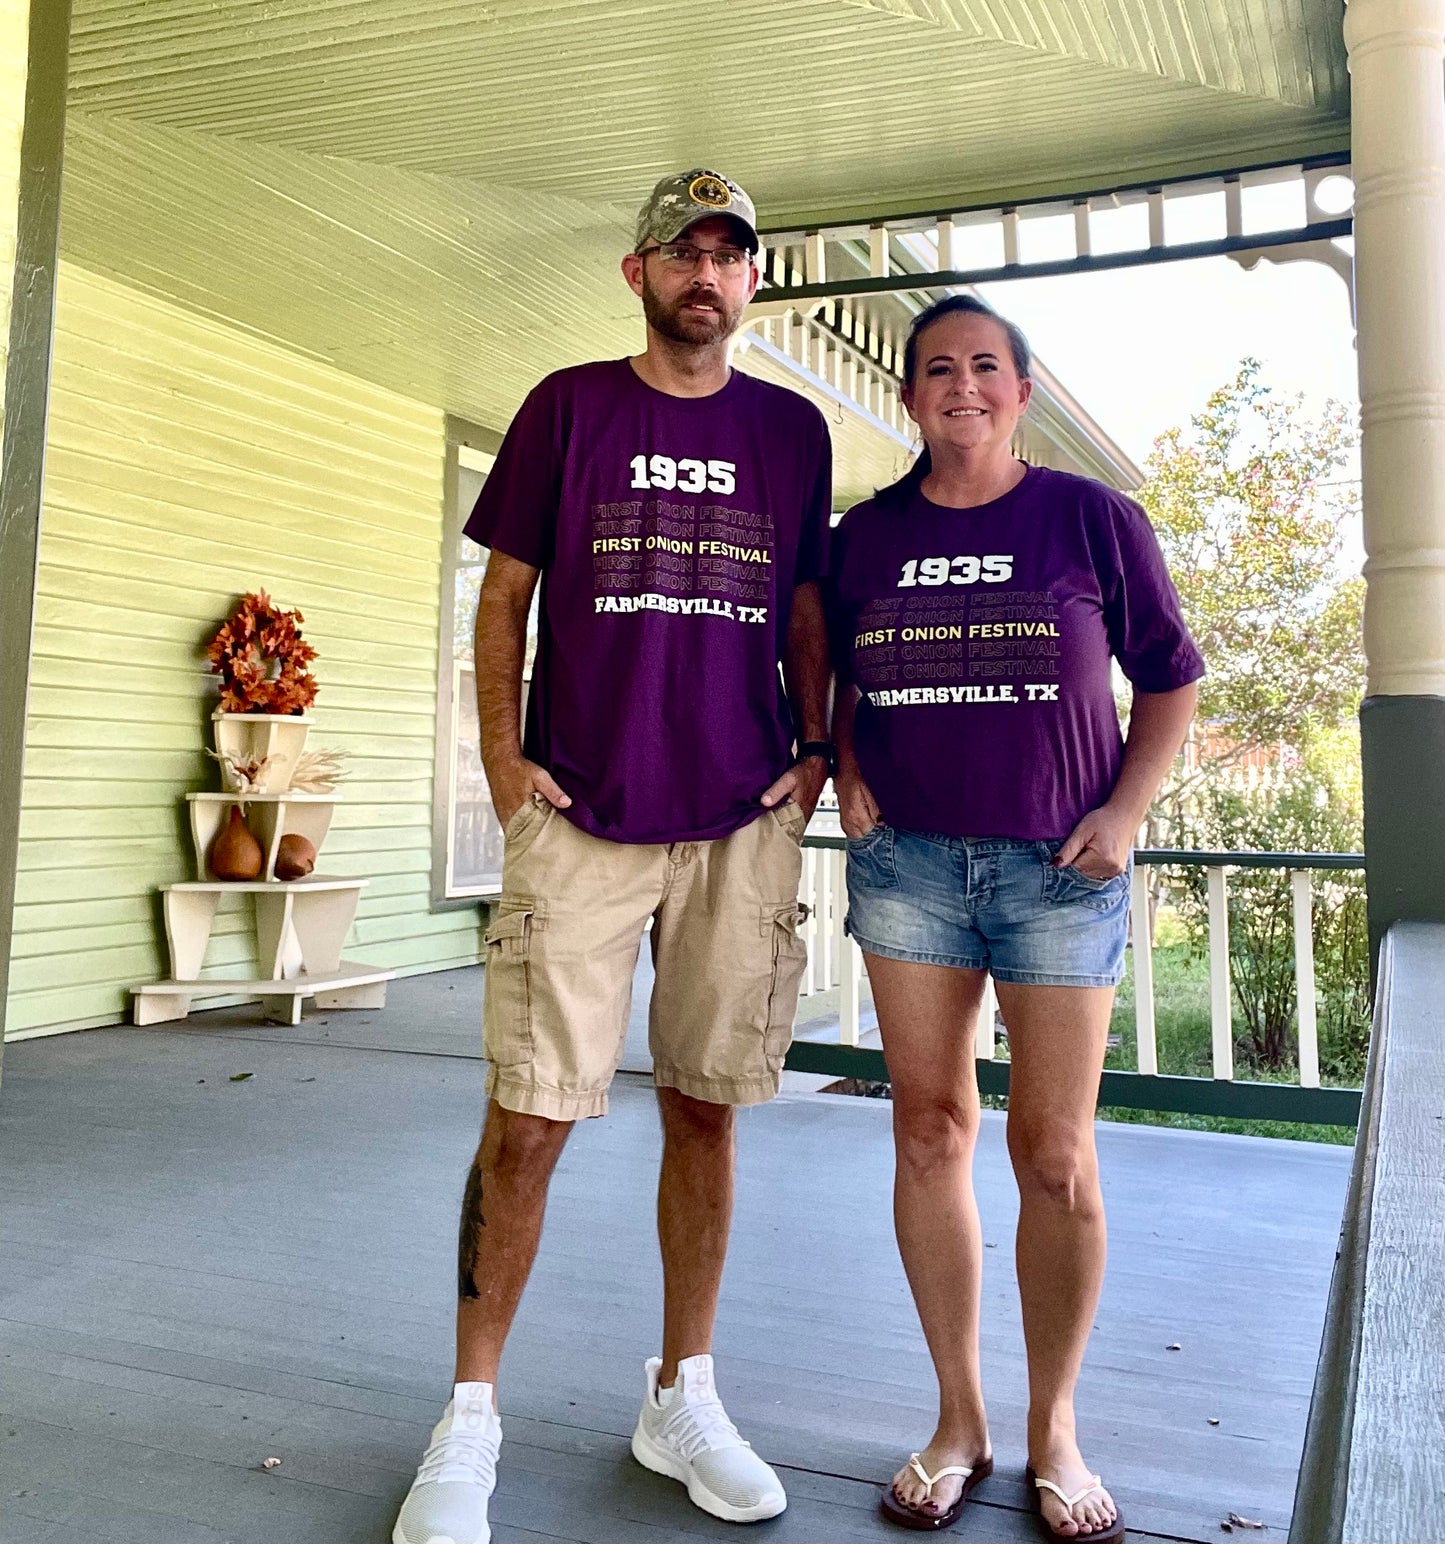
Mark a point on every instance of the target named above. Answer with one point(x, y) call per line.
point(671, 321)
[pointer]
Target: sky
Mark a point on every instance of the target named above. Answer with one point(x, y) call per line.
point(1142, 348)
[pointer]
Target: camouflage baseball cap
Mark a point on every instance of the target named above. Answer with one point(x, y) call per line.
point(682, 200)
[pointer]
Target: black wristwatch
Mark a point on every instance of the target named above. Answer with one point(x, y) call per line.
point(822, 748)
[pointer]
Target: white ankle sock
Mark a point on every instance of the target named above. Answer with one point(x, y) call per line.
point(472, 1396)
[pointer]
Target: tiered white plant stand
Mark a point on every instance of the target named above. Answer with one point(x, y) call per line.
point(301, 924)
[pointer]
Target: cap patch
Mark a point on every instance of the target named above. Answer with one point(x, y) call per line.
point(709, 191)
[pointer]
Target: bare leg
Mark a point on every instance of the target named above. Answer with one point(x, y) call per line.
point(502, 1211)
point(1056, 1042)
point(926, 1014)
point(694, 1214)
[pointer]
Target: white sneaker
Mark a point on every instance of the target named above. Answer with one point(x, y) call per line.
point(447, 1502)
point(685, 1433)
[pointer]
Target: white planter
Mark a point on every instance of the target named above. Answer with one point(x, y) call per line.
point(278, 737)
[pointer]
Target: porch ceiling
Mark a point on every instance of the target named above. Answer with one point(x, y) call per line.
point(819, 106)
point(433, 194)
point(448, 292)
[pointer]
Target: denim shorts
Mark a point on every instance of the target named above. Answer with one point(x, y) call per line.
point(994, 904)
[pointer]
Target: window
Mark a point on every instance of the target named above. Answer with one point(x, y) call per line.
point(467, 839)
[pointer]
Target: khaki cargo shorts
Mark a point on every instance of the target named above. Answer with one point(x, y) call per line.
point(563, 945)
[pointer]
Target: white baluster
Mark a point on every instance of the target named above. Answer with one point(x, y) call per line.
point(878, 252)
point(808, 894)
point(1220, 1021)
point(1145, 1041)
point(1304, 976)
point(1233, 208)
point(852, 963)
point(825, 918)
point(837, 911)
point(984, 1040)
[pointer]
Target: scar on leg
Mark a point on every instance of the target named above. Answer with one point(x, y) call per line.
point(472, 1222)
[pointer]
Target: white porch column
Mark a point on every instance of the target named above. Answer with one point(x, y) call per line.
point(1396, 53)
point(1397, 49)
point(34, 52)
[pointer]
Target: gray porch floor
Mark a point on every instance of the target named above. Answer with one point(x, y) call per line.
point(198, 1274)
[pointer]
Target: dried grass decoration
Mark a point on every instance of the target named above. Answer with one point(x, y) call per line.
point(318, 771)
point(262, 659)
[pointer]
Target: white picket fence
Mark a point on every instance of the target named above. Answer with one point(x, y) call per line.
point(834, 960)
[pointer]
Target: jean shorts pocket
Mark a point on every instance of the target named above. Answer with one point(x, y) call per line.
point(507, 1010)
point(790, 957)
point(1070, 886)
point(871, 861)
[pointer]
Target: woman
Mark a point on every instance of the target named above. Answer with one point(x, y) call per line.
point(991, 804)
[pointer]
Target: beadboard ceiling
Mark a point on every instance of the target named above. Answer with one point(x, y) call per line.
point(433, 194)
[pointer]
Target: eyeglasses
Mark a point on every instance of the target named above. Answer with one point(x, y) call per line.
point(682, 256)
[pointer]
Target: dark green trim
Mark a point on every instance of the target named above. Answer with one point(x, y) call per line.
point(1162, 856)
point(1238, 1099)
point(1402, 758)
point(27, 393)
point(1122, 1090)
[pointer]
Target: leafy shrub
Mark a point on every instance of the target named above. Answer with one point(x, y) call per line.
point(1314, 811)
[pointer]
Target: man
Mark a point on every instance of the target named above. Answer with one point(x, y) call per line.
point(677, 513)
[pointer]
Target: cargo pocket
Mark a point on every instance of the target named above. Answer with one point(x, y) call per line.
point(791, 818)
point(790, 955)
point(507, 1013)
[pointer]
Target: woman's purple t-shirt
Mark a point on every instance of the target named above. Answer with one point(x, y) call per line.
point(980, 640)
point(672, 532)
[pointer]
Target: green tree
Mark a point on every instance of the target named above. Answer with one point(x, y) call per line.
point(1249, 507)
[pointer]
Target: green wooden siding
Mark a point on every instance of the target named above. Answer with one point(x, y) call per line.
point(189, 462)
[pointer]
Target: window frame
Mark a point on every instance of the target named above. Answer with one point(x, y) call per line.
point(476, 446)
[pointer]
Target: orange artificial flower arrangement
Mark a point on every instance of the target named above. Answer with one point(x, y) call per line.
point(262, 659)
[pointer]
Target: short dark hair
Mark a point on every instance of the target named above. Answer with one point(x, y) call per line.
point(1018, 347)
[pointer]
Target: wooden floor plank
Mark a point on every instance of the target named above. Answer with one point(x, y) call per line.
point(198, 1273)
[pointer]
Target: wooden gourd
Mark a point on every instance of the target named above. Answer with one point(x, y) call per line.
point(295, 856)
point(235, 853)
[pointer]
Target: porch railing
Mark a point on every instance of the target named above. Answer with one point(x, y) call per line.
point(1373, 1470)
point(834, 961)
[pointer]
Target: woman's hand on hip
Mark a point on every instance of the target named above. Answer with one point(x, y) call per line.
point(857, 808)
point(1099, 846)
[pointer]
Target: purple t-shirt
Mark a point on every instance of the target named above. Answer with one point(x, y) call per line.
point(980, 640)
point(672, 532)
